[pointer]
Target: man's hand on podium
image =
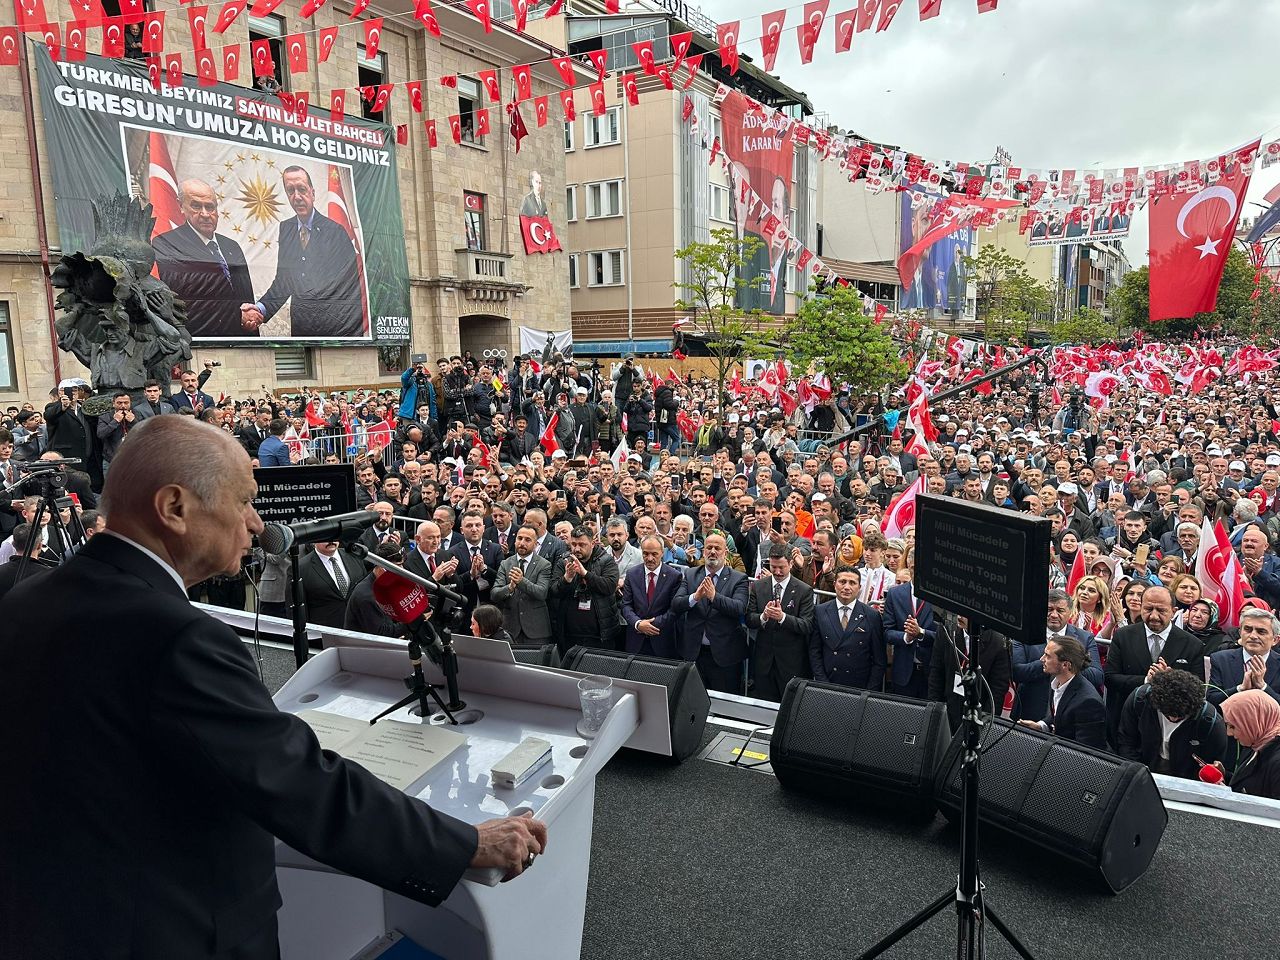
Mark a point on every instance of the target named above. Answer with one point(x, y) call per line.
point(510, 844)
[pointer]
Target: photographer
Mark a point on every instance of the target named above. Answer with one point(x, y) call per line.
point(455, 389)
point(624, 377)
point(666, 406)
point(417, 389)
point(637, 411)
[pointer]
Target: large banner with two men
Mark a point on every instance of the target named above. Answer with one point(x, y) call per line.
point(270, 225)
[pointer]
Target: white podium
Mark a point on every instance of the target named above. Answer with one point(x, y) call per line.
point(328, 915)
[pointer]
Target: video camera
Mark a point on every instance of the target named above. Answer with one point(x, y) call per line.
point(46, 478)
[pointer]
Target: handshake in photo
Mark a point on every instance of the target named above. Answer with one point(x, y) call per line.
point(251, 317)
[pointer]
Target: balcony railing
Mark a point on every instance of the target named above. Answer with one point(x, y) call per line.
point(483, 266)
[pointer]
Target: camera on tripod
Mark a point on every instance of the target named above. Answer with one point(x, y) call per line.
point(45, 478)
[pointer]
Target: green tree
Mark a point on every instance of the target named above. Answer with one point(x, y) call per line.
point(831, 332)
point(1011, 302)
point(1130, 302)
point(1236, 310)
point(709, 294)
point(1084, 326)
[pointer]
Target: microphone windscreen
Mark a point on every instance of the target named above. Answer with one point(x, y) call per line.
point(400, 599)
point(275, 539)
point(1210, 774)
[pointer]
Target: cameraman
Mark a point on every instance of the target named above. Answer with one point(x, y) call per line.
point(415, 389)
point(624, 377)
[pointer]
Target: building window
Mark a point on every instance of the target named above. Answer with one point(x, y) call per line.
point(473, 216)
point(573, 271)
point(604, 269)
point(604, 130)
point(604, 199)
point(568, 136)
point(718, 207)
point(271, 28)
point(371, 73)
point(293, 363)
point(468, 103)
point(717, 128)
point(571, 202)
point(8, 371)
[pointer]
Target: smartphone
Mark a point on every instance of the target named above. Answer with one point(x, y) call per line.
point(777, 524)
point(1140, 556)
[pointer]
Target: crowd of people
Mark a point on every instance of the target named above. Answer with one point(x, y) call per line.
point(632, 508)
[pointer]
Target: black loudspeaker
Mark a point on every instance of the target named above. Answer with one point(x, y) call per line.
point(536, 654)
point(687, 700)
point(856, 745)
point(1093, 808)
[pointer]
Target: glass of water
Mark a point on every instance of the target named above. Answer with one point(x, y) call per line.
point(596, 694)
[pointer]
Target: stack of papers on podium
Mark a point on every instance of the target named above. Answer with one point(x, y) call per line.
point(396, 752)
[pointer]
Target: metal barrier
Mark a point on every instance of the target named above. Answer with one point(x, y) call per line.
point(345, 446)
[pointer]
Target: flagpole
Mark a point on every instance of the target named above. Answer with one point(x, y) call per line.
point(624, 111)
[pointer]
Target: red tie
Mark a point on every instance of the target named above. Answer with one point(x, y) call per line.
point(652, 577)
point(431, 564)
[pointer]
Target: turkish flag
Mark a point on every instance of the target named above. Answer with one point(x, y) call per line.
point(450, 81)
point(360, 7)
point(31, 15)
point(414, 88)
point(73, 47)
point(154, 72)
point(402, 134)
point(264, 8)
point(482, 122)
point(198, 21)
point(902, 511)
point(173, 70)
point(928, 10)
point(228, 14)
point(867, 10)
point(1219, 573)
point(522, 14)
point(382, 97)
point(481, 9)
point(153, 33)
point(301, 106)
point(815, 15)
point(518, 130)
point(327, 37)
point(770, 37)
point(539, 235)
point(727, 37)
point(566, 104)
point(51, 35)
point(231, 62)
point(889, 10)
point(9, 40)
point(1191, 235)
point(432, 140)
point(691, 64)
point(845, 24)
point(372, 37)
point(311, 8)
point(565, 66)
point(597, 98)
point(644, 53)
point(296, 47)
point(540, 110)
point(548, 440)
point(679, 47)
point(206, 68)
point(522, 74)
point(423, 13)
point(263, 65)
point(600, 58)
point(455, 127)
point(337, 105)
point(88, 12)
point(630, 90)
point(489, 78)
point(113, 37)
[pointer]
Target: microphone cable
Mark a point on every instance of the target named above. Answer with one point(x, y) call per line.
point(256, 558)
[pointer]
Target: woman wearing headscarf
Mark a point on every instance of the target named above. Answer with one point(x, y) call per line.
point(1253, 719)
point(1201, 621)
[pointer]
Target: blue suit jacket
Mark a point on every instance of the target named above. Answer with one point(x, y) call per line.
point(1031, 699)
point(273, 452)
point(180, 400)
point(719, 621)
point(636, 606)
point(854, 656)
point(897, 607)
point(1081, 715)
point(323, 281)
point(1266, 585)
point(1226, 673)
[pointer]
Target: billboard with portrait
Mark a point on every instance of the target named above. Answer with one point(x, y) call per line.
point(760, 151)
point(272, 225)
point(939, 280)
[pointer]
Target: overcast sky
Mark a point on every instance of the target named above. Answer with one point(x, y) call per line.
point(1058, 83)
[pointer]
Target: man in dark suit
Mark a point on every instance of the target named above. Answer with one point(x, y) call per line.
point(549, 547)
point(712, 604)
point(521, 589)
point(1074, 710)
point(1031, 699)
point(846, 644)
point(205, 268)
point(253, 431)
point(191, 396)
point(951, 653)
point(1254, 665)
point(364, 614)
point(1137, 647)
point(328, 576)
point(909, 627)
point(478, 561)
point(429, 559)
point(780, 610)
point(316, 271)
point(649, 592)
point(170, 812)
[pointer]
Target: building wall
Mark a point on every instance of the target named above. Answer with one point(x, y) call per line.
point(857, 225)
point(445, 316)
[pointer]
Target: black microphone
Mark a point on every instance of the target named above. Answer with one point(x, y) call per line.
point(276, 538)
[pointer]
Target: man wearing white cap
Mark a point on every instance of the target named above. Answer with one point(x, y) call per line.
point(1072, 518)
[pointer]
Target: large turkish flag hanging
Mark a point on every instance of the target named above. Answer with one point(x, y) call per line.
point(539, 235)
point(1191, 235)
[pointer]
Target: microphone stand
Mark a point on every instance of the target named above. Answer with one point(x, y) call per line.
point(301, 651)
point(418, 686)
point(440, 645)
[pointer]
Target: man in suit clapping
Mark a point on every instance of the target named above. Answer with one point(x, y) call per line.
point(520, 591)
point(712, 606)
point(847, 642)
point(780, 610)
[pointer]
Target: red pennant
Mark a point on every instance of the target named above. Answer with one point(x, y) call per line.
point(540, 110)
point(414, 89)
point(770, 37)
point(664, 74)
point(987, 6)
point(523, 77)
point(31, 15)
point(228, 14)
point(295, 45)
point(153, 33)
point(382, 97)
point(132, 10)
point(206, 68)
point(337, 105)
point(482, 122)
point(566, 104)
point(155, 72)
point(73, 47)
point(372, 37)
point(423, 13)
point(231, 62)
point(867, 10)
point(845, 24)
point(489, 78)
point(481, 9)
point(402, 134)
point(644, 53)
point(518, 130)
point(450, 81)
point(325, 41)
point(629, 90)
point(522, 14)
point(432, 141)
point(928, 10)
point(686, 109)
point(455, 127)
point(555, 8)
point(198, 22)
point(311, 8)
point(565, 66)
point(173, 70)
point(360, 7)
point(601, 60)
point(727, 37)
point(288, 101)
point(679, 47)
point(263, 66)
point(692, 64)
point(88, 12)
point(113, 37)
point(9, 40)
point(597, 98)
point(815, 15)
point(302, 107)
point(51, 36)
point(264, 8)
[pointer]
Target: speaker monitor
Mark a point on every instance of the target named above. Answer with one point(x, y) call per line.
point(687, 700)
point(856, 745)
point(1091, 807)
point(536, 654)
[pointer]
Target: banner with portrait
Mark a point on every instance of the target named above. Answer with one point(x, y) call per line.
point(760, 151)
point(933, 277)
point(272, 224)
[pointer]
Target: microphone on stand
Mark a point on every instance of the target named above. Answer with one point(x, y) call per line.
point(277, 538)
point(406, 603)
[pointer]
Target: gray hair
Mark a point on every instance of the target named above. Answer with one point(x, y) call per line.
point(1188, 525)
point(163, 451)
point(1254, 613)
point(1156, 477)
point(1244, 511)
point(616, 521)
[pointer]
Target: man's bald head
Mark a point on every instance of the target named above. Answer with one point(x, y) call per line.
point(200, 207)
point(162, 451)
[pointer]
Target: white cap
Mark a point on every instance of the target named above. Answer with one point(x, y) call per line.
point(1236, 465)
point(635, 456)
point(558, 453)
point(1273, 460)
point(1070, 489)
